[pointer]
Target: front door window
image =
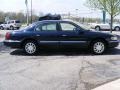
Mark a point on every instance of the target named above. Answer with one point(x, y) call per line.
point(67, 27)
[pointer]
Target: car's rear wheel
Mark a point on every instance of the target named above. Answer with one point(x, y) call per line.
point(98, 47)
point(97, 28)
point(117, 28)
point(30, 47)
point(18, 28)
point(1, 28)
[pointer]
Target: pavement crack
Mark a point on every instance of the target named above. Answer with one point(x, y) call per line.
point(86, 86)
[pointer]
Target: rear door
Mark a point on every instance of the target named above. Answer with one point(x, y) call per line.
point(47, 33)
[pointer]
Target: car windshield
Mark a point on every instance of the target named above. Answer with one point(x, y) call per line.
point(83, 26)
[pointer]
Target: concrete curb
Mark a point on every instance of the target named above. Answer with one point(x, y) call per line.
point(115, 85)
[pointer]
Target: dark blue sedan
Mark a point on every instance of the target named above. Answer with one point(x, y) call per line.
point(59, 33)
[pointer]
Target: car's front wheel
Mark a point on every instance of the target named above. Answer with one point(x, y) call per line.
point(30, 47)
point(98, 47)
point(97, 28)
point(117, 28)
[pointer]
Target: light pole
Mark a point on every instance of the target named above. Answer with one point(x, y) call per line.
point(31, 11)
point(76, 12)
point(27, 11)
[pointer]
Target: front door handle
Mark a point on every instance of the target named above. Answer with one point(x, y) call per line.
point(37, 35)
point(64, 35)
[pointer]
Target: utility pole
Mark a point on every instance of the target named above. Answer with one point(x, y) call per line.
point(76, 12)
point(104, 13)
point(104, 16)
point(31, 11)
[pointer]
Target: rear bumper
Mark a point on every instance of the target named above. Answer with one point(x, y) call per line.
point(113, 44)
point(12, 43)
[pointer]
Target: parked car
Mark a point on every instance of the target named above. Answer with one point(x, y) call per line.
point(106, 26)
point(12, 24)
point(59, 33)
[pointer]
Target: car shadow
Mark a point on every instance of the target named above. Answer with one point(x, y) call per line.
point(65, 52)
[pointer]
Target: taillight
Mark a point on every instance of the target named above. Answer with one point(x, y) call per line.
point(7, 36)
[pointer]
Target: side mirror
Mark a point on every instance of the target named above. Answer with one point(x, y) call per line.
point(37, 29)
point(77, 30)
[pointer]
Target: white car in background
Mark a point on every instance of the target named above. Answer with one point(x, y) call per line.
point(106, 26)
point(12, 24)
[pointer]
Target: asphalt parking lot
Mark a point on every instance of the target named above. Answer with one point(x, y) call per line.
point(57, 69)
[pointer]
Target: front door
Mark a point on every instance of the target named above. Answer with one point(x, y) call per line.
point(70, 36)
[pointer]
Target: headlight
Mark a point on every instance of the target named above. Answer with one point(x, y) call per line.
point(114, 38)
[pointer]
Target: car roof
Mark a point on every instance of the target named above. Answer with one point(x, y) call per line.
point(54, 21)
point(47, 21)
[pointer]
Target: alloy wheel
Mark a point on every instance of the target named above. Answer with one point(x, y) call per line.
point(99, 47)
point(30, 48)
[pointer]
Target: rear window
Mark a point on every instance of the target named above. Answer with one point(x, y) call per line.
point(17, 21)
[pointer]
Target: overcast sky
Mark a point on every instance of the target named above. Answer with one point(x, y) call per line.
point(51, 6)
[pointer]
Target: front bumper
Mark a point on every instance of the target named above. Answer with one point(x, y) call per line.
point(12, 43)
point(113, 44)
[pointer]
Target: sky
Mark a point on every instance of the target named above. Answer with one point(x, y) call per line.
point(51, 6)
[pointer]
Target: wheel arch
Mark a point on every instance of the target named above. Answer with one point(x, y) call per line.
point(97, 26)
point(28, 39)
point(11, 26)
point(99, 38)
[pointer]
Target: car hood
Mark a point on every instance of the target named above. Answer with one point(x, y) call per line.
point(99, 33)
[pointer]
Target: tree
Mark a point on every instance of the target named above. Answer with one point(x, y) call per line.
point(112, 7)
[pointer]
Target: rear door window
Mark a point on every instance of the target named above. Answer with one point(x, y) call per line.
point(47, 27)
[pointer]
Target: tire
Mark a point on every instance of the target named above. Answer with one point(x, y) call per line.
point(117, 28)
point(11, 28)
point(97, 28)
point(18, 28)
point(7, 28)
point(2, 28)
point(30, 47)
point(98, 47)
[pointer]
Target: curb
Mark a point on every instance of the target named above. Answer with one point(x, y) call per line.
point(115, 85)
